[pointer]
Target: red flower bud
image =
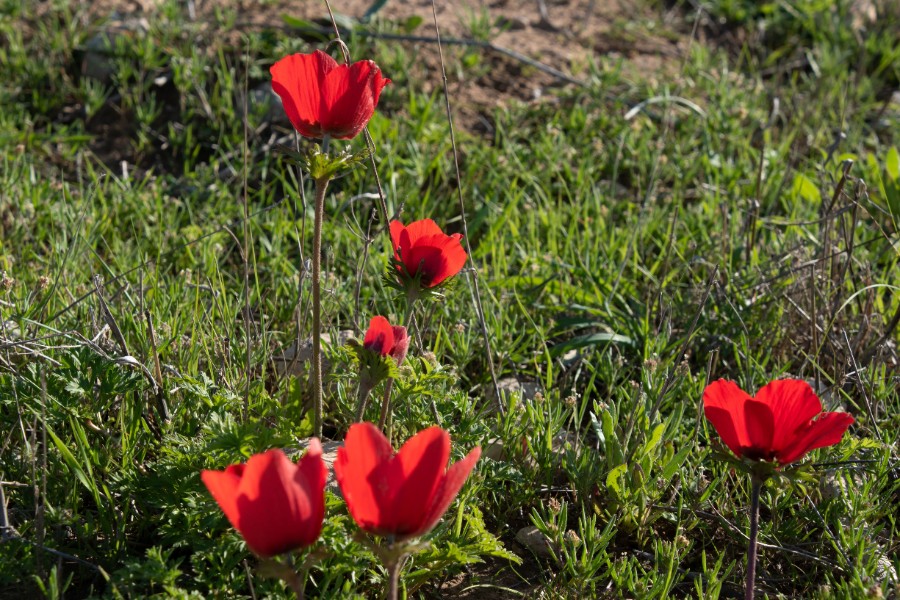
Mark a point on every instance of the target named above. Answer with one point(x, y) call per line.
point(323, 98)
point(386, 340)
point(401, 343)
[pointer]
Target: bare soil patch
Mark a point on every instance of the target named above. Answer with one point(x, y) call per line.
point(562, 35)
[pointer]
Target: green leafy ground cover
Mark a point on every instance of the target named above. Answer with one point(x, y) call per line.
point(626, 258)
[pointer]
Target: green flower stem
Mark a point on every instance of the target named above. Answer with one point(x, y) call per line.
point(411, 298)
point(394, 592)
point(303, 577)
point(362, 398)
point(394, 566)
point(321, 186)
point(756, 483)
point(386, 409)
point(297, 586)
point(285, 571)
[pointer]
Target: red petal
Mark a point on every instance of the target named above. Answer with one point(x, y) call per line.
point(311, 476)
point(398, 236)
point(396, 228)
point(413, 476)
point(827, 430)
point(793, 403)
point(422, 229)
point(724, 425)
point(454, 257)
point(223, 486)
point(425, 261)
point(449, 487)
point(350, 98)
point(760, 428)
point(379, 336)
point(298, 79)
point(728, 397)
point(271, 505)
point(437, 257)
point(401, 343)
point(364, 449)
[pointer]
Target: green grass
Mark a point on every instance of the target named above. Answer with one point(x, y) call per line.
point(624, 263)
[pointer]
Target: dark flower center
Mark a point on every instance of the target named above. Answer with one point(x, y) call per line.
point(754, 453)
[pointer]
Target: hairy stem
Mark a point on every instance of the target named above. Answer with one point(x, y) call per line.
point(297, 586)
point(321, 186)
point(754, 534)
point(386, 406)
point(362, 399)
point(393, 568)
point(473, 282)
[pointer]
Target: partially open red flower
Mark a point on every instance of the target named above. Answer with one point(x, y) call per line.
point(275, 504)
point(781, 424)
point(387, 340)
point(405, 494)
point(323, 98)
point(425, 252)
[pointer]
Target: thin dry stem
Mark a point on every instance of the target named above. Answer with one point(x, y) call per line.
point(357, 293)
point(244, 258)
point(41, 492)
point(473, 281)
point(370, 144)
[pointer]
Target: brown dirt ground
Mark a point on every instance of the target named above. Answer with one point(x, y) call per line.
point(568, 37)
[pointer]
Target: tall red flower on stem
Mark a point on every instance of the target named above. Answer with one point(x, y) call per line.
point(386, 339)
point(275, 504)
point(780, 424)
point(400, 495)
point(323, 98)
point(425, 254)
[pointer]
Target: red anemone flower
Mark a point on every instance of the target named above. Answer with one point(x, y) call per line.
point(323, 98)
point(782, 423)
point(275, 504)
point(426, 252)
point(405, 494)
point(386, 339)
